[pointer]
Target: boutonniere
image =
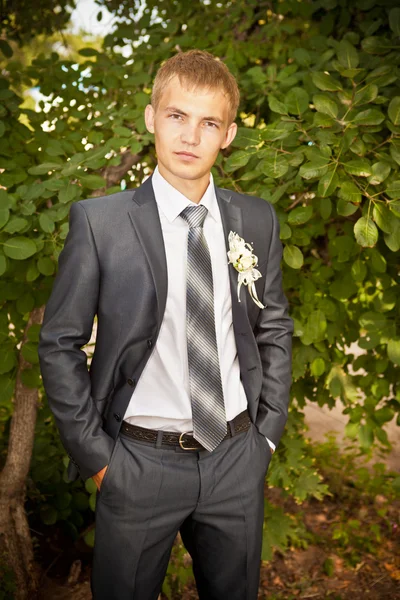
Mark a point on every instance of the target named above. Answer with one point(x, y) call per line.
point(242, 258)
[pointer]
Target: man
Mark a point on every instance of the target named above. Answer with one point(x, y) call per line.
point(188, 387)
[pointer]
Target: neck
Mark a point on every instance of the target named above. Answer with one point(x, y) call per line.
point(193, 189)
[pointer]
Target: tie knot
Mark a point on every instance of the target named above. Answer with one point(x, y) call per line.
point(194, 215)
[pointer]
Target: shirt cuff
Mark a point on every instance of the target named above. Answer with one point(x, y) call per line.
point(271, 445)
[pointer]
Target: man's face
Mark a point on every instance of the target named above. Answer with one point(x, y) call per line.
point(190, 127)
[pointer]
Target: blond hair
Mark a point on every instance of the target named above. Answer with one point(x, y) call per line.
point(197, 69)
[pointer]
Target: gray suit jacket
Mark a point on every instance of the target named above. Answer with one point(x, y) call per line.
point(113, 264)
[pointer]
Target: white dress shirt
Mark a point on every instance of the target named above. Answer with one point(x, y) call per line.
point(161, 399)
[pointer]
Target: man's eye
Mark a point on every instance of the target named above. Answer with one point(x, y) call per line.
point(211, 123)
point(174, 115)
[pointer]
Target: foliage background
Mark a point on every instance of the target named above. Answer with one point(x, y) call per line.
point(319, 137)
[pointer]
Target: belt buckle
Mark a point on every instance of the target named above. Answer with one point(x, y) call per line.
point(181, 441)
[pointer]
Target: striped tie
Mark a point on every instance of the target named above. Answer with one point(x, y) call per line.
point(208, 410)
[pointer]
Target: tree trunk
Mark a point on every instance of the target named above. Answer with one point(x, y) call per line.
point(16, 549)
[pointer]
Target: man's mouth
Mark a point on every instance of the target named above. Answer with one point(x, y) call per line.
point(190, 154)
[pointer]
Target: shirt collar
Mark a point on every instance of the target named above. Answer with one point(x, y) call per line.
point(172, 202)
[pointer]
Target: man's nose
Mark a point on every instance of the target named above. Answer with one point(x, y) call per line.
point(191, 135)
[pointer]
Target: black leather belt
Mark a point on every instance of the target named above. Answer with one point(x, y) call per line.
point(186, 441)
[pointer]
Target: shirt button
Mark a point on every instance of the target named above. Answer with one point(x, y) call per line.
point(149, 343)
point(131, 382)
point(117, 417)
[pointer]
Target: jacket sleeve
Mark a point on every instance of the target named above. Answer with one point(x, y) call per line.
point(273, 333)
point(67, 326)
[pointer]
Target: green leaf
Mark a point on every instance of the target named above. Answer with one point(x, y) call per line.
point(88, 52)
point(383, 217)
point(366, 436)
point(359, 166)
point(394, 152)
point(16, 224)
point(33, 333)
point(93, 182)
point(315, 168)
point(322, 120)
point(30, 352)
point(345, 208)
point(325, 82)
point(358, 271)
point(366, 232)
point(46, 223)
point(347, 55)
point(394, 110)
point(350, 192)
point(371, 116)
point(394, 21)
point(90, 486)
point(6, 48)
point(328, 183)
point(394, 206)
point(7, 386)
point(380, 171)
point(92, 501)
point(25, 303)
point(19, 248)
point(3, 264)
point(4, 216)
point(48, 514)
point(276, 166)
point(393, 189)
point(44, 168)
point(274, 132)
point(123, 131)
point(32, 273)
point(302, 57)
point(393, 350)
point(325, 105)
point(246, 137)
point(236, 160)
point(376, 45)
point(317, 367)
point(315, 328)
point(293, 256)
point(325, 208)
point(300, 215)
point(89, 538)
point(277, 106)
point(46, 266)
point(8, 358)
point(5, 200)
point(68, 193)
point(54, 148)
point(31, 377)
point(366, 94)
point(296, 101)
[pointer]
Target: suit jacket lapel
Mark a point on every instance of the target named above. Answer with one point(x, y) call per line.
point(146, 222)
point(232, 220)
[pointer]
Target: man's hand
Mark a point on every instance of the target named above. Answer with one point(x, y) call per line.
point(98, 478)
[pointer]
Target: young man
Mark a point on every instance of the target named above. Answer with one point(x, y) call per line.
point(188, 388)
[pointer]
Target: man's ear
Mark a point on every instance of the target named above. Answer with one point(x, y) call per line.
point(230, 135)
point(149, 118)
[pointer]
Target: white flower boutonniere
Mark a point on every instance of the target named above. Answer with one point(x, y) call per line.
point(242, 258)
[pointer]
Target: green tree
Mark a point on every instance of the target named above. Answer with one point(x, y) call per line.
point(319, 137)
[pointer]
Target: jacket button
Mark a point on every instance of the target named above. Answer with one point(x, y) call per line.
point(117, 417)
point(131, 382)
point(149, 343)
